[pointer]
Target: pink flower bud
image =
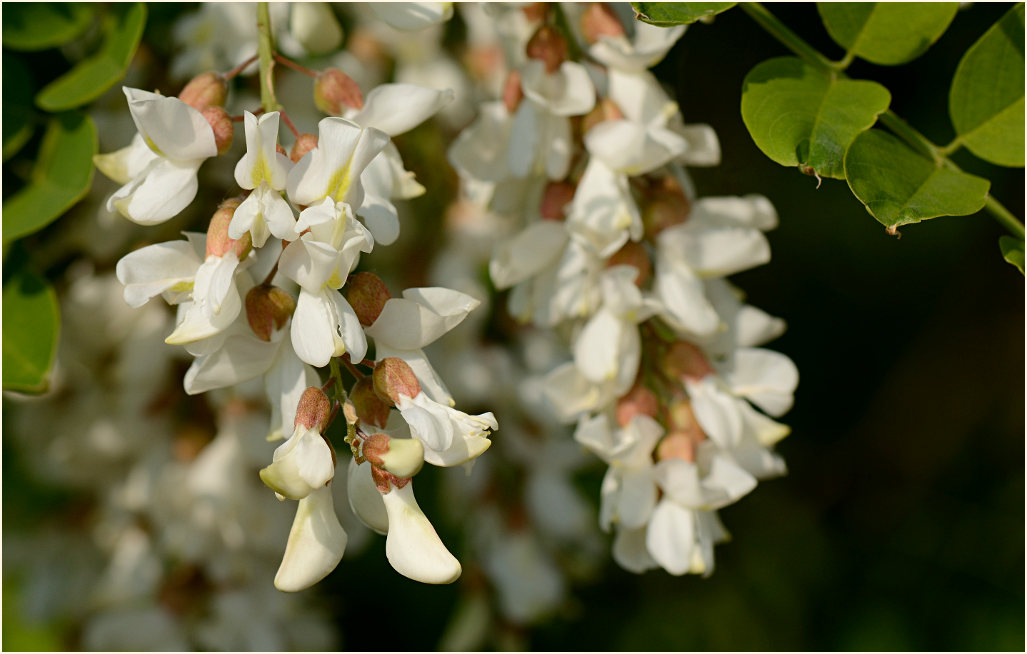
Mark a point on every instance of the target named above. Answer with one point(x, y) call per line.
point(668, 207)
point(685, 360)
point(633, 254)
point(305, 142)
point(218, 242)
point(676, 445)
point(512, 92)
point(369, 408)
point(367, 294)
point(555, 199)
point(313, 409)
point(394, 377)
point(221, 123)
point(548, 45)
point(599, 20)
point(638, 401)
point(268, 308)
point(334, 90)
point(205, 90)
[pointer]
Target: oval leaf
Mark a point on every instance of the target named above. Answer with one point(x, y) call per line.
point(30, 320)
point(986, 101)
point(1012, 250)
point(668, 14)
point(886, 33)
point(63, 173)
point(17, 105)
point(123, 28)
point(42, 25)
point(801, 116)
point(900, 187)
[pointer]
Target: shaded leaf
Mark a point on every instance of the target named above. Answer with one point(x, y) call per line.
point(1012, 250)
point(801, 116)
point(886, 33)
point(63, 174)
point(900, 187)
point(42, 25)
point(123, 27)
point(986, 101)
point(668, 14)
point(17, 105)
point(30, 322)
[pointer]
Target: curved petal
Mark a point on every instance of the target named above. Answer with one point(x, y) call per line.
point(767, 378)
point(300, 465)
point(398, 108)
point(364, 498)
point(526, 254)
point(671, 537)
point(170, 127)
point(412, 546)
point(311, 330)
point(241, 358)
point(154, 269)
point(316, 543)
point(160, 192)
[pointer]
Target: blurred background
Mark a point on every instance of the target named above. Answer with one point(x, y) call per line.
point(900, 525)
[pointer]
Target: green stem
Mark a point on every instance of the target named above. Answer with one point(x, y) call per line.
point(846, 60)
point(266, 53)
point(951, 147)
point(787, 37)
point(1004, 216)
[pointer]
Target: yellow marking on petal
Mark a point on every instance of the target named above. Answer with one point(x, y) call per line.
point(261, 171)
point(153, 146)
point(181, 287)
point(335, 281)
point(339, 184)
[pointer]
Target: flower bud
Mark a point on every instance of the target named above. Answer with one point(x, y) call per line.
point(667, 208)
point(334, 90)
point(555, 199)
point(639, 400)
point(218, 242)
point(633, 254)
point(548, 45)
point(305, 142)
point(221, 123)
point(606, 109)
point(313, 409)
point(599, 20)
point(368, 406)
point(681, 418)
point(394, 377)
point(367, 294)
point(268, 308)
point(535, 11)
point(676, 445)
point(512, 92)
point(205, 90)
point(402, 457)
point(685, 360)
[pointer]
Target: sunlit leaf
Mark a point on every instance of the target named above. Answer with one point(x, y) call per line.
point(900, 187)
point(1012, 250)
point(668, 14)
point(123, 27)
point(886, 33)
point(42, 25)
point(17, 105)
point(801, 116)
point(30, 321)
point(63, 173)
point(986, 101)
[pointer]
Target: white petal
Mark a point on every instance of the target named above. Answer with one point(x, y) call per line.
point(412, 16)
point(633, 148)
point(637, 498)
point(364, 498)
point(314, 25)
point(151, 270)
point(398, 108)
point(412, 546)
point(480, 150)
point(568, 91)
point(684, 300)
point(159, 193)
point(767, 378)
point(671, 537)
point(316, 543)
point(170, 127)
point(525, 133)
point(333, 168)
point(527, 253)
point(241, 358)
point(629, 550)
point(716, 412)
point(301, 465)
point(311, 331)
point(420, 317)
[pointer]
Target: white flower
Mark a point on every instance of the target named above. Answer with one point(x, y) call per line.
point(316, 543)
point(412, 545)
point(412, 16)
point(449, 437)
point(300, 465)
point(603, 214)
point(648, 46)
point(264, 170)
point(333, 168)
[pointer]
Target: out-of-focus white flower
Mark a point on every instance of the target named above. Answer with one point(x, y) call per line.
point(646, 48)
point(412, 16)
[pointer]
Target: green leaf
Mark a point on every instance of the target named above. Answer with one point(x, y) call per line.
point(669, 14)
point(886, 33)
point(17, 105)
point(63, 174)
point(900, 187)
point(30, 322)
point(123, 27)
point(42, 25)
point(801, 116)
point(986, 100)
point(1012, 250)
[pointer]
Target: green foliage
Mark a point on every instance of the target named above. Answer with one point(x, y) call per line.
point(668, 14)
point(986, 102)
point(887, 33)
point(42, 25)
point(122, 27)
point(900, 187)
point(17, 105)
point(62, 175)
point(1012, 250)
point(30, 321)
point(800, 115)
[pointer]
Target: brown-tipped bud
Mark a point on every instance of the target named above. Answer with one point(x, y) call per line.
point(676, 445)
point(334, 90)
point(394, 377)
point(305, 142)
point(512, 92)
point(555, 199)
point(268, 308)
point(548, 45)
point(205, 90)
point(367, 294)
point(666, 209)
point(218, 242)
point(685, 360)
point(606, 109)
point(221, 123)
point(638, 401)
point(402, 457)
point(536, 11)
point(369, 408)
point(313, 409)
point(599, 20)
point(633, 254)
